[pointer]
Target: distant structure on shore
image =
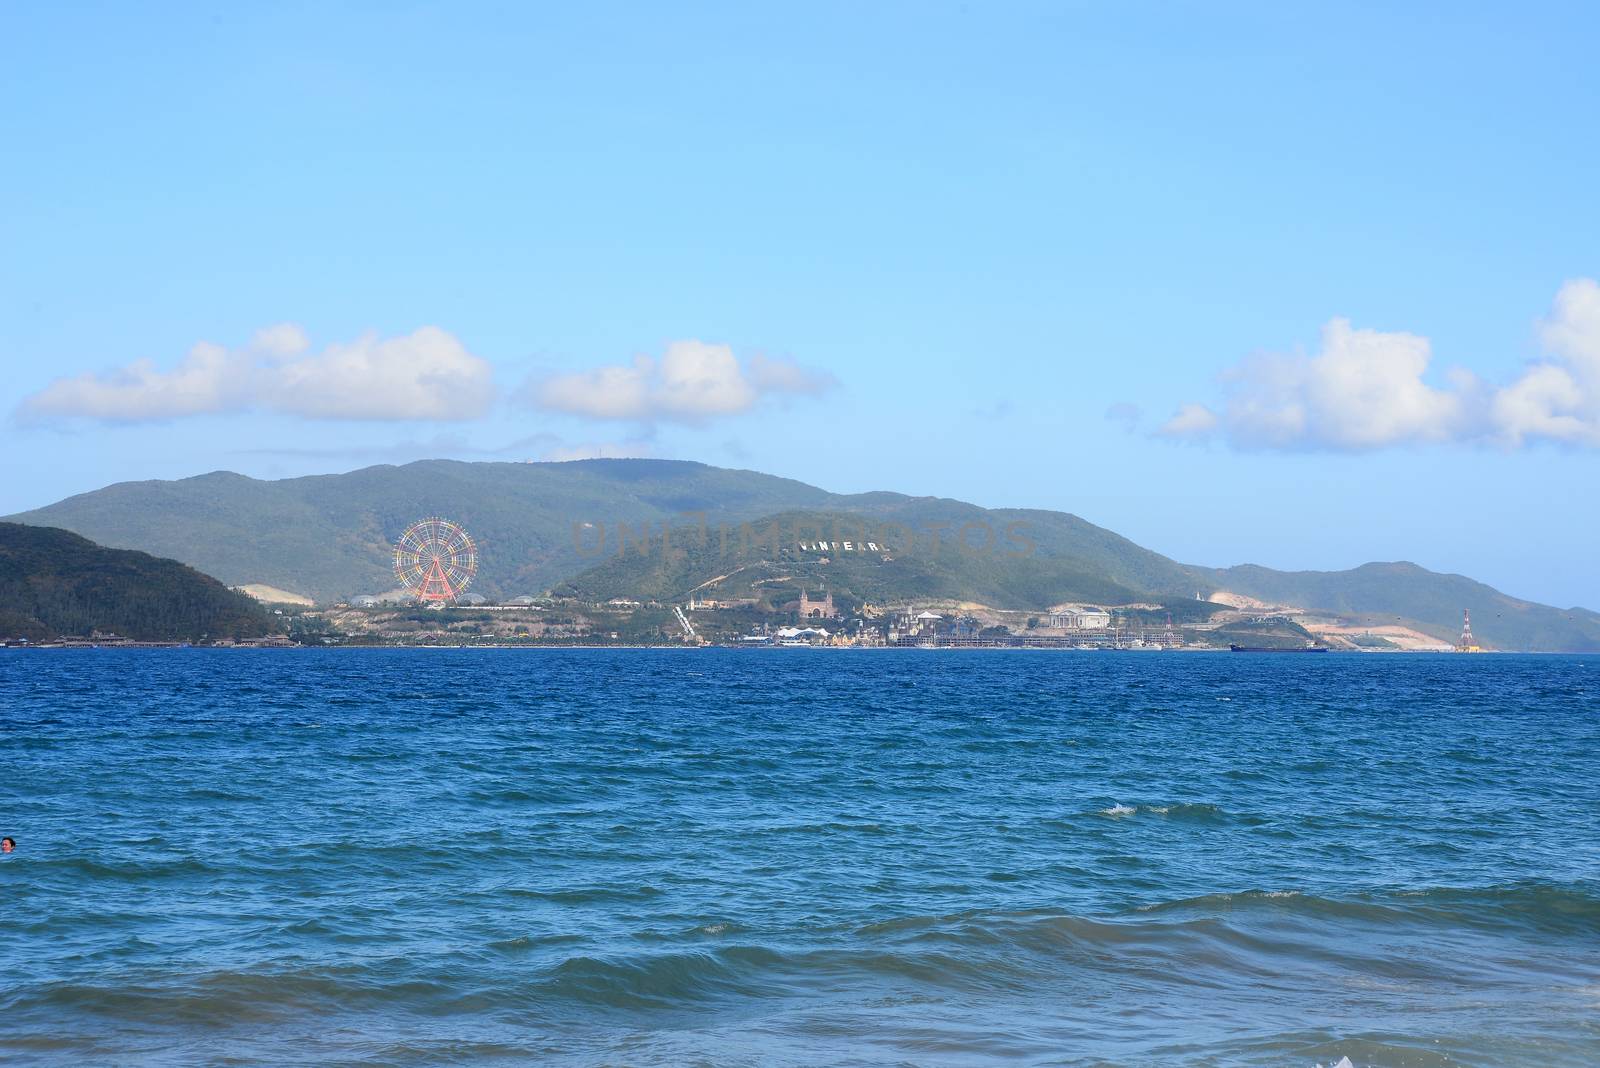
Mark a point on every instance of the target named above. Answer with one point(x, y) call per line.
point(1467, 643)
point(822, 609)
point(435, 560)
point(1078, 619)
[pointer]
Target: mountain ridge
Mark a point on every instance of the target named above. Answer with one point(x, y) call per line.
point(329, 536)
point(56, 583)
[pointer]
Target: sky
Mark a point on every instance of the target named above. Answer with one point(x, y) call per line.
point(1303, 286)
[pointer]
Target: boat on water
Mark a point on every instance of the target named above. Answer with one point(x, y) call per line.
point(1270, 649)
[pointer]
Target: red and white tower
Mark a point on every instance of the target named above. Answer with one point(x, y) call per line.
point(1467, 643)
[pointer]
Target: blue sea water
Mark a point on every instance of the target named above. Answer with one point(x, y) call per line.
point(798, 857)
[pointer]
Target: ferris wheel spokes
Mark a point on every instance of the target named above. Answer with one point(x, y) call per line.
point(435, 559)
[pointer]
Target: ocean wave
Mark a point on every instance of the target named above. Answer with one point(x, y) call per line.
point(131, 869)
point(1550, 907)
point(1193, 948)
point(1216, 938)
point(667, 980)
point(1195, 812)
point(584, 895)
point(1190, 812)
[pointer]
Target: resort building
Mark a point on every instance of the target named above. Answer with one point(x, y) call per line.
point(1079, 619)
point(822, 609)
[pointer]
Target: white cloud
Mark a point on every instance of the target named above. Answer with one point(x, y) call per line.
point(1190, 421)
point(695, 380)
point(426, 374)
point(691, 382)
point(208, 379)
point(781, 376)
point(282, 341)
point(1572, 331)
point(1362, 390)
point(1368, 389)
point(606, 393)
point(1559, 399)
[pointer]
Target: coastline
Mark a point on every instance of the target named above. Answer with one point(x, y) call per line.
point(679, 646)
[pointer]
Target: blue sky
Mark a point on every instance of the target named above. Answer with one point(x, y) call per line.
point(1086, 258)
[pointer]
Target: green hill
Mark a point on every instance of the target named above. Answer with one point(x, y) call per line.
point(546, 525)
point(54, 583)
point(1431, 602)
point(885, 556)
point(331, 536)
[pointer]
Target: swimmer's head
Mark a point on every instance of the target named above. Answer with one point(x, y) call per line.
point(7, 844)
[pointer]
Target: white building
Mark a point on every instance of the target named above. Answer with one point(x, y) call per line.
point(1079, 619)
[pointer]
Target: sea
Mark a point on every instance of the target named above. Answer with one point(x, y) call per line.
point(798, 857)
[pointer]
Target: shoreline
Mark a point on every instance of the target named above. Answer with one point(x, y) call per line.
point(177, 646)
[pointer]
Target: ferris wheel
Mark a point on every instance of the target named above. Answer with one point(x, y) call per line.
point(435, 559)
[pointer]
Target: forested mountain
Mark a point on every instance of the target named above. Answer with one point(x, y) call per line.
point(540, 526)
point(889, 555)
point(54, 583)
point(1427, 600)
point(331, 536)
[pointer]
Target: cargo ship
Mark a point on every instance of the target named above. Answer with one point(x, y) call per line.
point(1269, 649)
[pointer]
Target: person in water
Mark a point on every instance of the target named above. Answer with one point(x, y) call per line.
point(7, 844)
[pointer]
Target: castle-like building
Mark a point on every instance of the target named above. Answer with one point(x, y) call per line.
point(822, 609)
